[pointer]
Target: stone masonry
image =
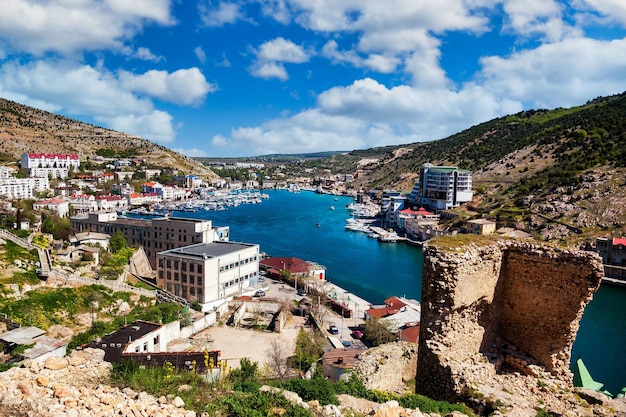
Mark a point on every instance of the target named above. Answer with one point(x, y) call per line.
point(499, 307)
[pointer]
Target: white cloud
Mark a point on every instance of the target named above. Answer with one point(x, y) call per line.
point(375, 62)
point(155, 126)
point(200, 54)
point(192, 152)
point(559, 74)
point(367, 114)
point(543, 18)
point(611, 10)
point(272, 54)
point(282, 50)
point(70, 27)
point(277, 10)
point(269, 70)
point(220, 15)
point(82, 90)
point(146, 55)
point(185, 86)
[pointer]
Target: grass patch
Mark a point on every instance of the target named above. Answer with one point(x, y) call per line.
point(22, 277)
point(13, 252)
point(448, 243)
point(112, 265)
point(202, 396)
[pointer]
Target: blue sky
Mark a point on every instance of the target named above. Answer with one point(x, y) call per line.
point(242, 78)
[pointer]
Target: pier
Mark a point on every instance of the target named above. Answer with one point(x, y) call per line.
point(385, 235)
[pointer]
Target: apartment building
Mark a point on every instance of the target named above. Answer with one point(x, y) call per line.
point(156, 235)
point(53, 165)
point(208, 273)
point(442, 187)
point(22, 188)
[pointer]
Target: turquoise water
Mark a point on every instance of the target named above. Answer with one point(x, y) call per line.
point(286, 225)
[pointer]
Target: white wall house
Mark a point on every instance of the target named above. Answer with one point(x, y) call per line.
point(57, 205)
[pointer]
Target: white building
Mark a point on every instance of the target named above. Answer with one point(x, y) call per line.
point(83, 203)
point(4, 172)
point(442, 187)
point(57, 205)
point(209, 273)
point(53, 165)
point(22, 188)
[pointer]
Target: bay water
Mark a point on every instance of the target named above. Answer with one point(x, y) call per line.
point(310, 226)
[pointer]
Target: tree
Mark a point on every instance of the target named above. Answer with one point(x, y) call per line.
point(309, 348)
point(378, 331)
point(117, 242)
point(277, 360)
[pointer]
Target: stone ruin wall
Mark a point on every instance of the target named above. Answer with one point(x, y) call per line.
point(478, 301)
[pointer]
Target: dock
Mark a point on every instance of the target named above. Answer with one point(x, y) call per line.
point(385, 235)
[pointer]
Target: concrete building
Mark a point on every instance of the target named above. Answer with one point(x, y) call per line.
point(156, 235)
point(52, 165)
point(481, 227)
point(209, 273)
point(442, 187)
point(22, 188)
point(613, 254)
point(56, 205)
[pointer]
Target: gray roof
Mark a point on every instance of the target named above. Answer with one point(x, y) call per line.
point(210, 250)
point(22, 335)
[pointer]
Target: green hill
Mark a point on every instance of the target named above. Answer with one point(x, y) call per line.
point(541, 170)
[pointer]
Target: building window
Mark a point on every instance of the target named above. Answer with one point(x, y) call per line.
point(199, 269)
point(191, 280)
point(191, 267)
point(183, 278)
point(176, 277)
point(199, 280)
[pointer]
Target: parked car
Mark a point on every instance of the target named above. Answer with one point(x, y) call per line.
point(259, 293)
point(261, 278)
point(301, 291)
point(357, 334)
point(346, 343)
point(333, 329)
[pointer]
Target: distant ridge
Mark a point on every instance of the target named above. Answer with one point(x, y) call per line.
point(27, 129)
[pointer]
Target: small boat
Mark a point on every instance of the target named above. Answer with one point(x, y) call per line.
point(332, 207)
point(318, 225)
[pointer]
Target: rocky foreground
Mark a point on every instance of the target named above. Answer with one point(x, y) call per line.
point(75, 386)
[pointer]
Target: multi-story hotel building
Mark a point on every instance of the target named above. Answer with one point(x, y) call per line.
point(156, 235)
point(209, 272)
point(52, 165)
point(442, 187)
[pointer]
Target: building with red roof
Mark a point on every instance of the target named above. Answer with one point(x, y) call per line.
point(57, 205)
point(402, 317)
point(308, 272)
point(53, 165)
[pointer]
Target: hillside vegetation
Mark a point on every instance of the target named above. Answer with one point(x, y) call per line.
point(557, 173)
point(26, 129)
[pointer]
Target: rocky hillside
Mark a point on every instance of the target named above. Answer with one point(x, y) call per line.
point(26, 129)
point(559, 174)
